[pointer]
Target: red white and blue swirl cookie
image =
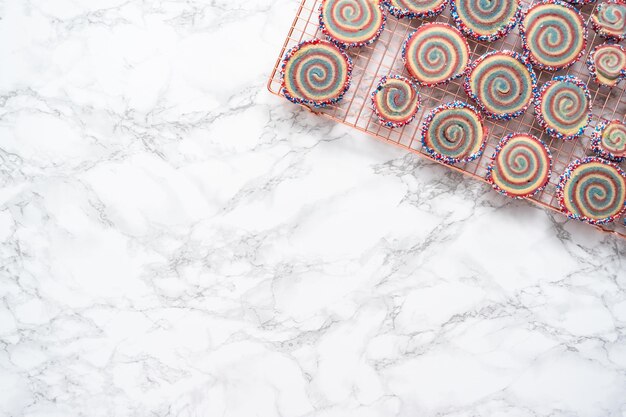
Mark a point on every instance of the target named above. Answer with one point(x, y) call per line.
point(609, 141)
point(454, 133)
point(502, 83)
point(485, 20)
point(609, 20)
point(316, 73)
point(592, 190)
point(563, 107)
point(395, 101)
point(554, 34)
point(412, 9)
point(520, 167)
point(351, 23)
point(607, 64)
point(435, 54)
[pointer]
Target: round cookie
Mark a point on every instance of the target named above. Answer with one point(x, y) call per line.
point(395, 101)
point(554, 34)
point(485, 20)
point(351, 23)
point(609, 140)
point(592, 190)
point(412, 9)
point(502, 83)
point(315, 73)
point(563, 107)
point(435, 54)
point(454, 133)
point(607, 64)
point(520, 166)
point(609, 20)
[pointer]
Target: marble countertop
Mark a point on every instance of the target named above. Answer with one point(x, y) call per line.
point(175, 241)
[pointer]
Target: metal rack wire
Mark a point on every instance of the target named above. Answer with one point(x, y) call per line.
point(384, 57)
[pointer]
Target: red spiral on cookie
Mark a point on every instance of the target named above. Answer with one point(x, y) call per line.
point(352, 22)
point(607, 64)
point(609, 20)
point(520, 167)
point(592, 190)
point(563, 107)
point(485, 20)
point(435, 54)
point(502, 84)
point(395, 101)
point(609, 140)
point(554, 34)
point(454, 133)
point(315, 72)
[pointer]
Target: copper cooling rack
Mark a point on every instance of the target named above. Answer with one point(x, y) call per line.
point(383, 57)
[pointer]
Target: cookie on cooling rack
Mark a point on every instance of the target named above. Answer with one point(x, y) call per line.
point(554, 34)
point(502, 83)
point(435, 54)
point(520, 166)
point(351, 23)
point(563, 107)
point(454, 132)
point(609, 140)
point(592, 190)
point(316, 73)
point(609, 20)
point(607, 64)
point(485, 20)
point(395, 101)
point(412, 9)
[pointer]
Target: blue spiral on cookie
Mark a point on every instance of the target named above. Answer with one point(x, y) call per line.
point(520, 166)
point(435, 53)
point(563, 107)
point(395, 101)
point(501, 83)
point(485, 20)
point(415, 8)
point(352, 22)
point(315, 72)
point(609, 20)
point(607, 64)
point(454, 133)
point(554, 34)
point(592, 190)
point(609, 140)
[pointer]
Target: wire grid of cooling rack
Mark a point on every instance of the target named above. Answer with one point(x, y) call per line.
point(383, 57)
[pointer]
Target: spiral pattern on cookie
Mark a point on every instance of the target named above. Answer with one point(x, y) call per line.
point(453, 133)
point(607, 64)
point(316, 73)
point(395, 101)
point(352, 22)
point(592, 190)
point(485, 20)
point(609, 140)
point(435, 54)
point(554, 34)
point(415, 8)
point(520, 166)
point(609, 20)
point(563, 107)
point(501, 83)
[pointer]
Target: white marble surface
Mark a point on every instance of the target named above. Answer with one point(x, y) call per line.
point(177, 244)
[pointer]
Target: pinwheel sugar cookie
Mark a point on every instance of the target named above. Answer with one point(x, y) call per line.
point(315, 73)
point(592, 190)
point(395, 101)
point(351, 23)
